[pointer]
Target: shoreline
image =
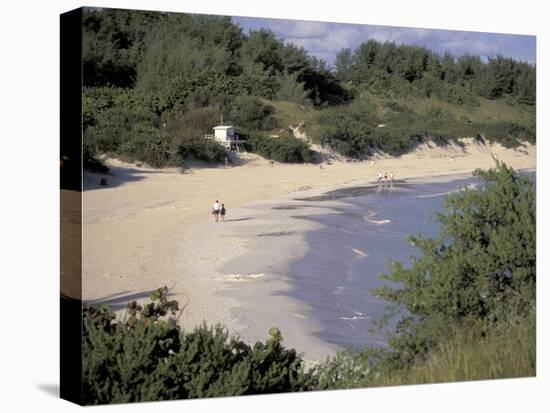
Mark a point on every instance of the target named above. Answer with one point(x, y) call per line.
point(245, 261)
point(151, 228)
point(251, 280)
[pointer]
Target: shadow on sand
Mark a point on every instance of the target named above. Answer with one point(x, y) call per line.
point(120, 301)
point(116, 176)
point(120, 175)
point(50, 389)
point(237, 219)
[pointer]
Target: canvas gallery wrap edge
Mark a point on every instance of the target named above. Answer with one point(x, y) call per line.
point(253, 205)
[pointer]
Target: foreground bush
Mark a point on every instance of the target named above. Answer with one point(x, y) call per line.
point(503, 350)
point(146, 356)
point(471, 351)
point(480, 268)
point(465, 308)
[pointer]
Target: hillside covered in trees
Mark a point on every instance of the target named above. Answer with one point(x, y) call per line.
point(155, 83)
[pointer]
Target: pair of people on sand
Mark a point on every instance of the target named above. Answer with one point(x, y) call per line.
point(384, 177)
point(218, 211)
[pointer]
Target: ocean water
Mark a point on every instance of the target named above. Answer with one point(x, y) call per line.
point(354, 246)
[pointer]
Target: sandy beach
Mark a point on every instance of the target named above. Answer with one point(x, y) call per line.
point(149, 228)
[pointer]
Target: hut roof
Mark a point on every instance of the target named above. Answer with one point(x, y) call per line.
point(222, 127)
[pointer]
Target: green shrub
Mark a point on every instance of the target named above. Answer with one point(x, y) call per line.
point(187, 131)
point(469, 351)
point(509, 134)
point(292, 90)
point(146, 356)
point(353, 130)
point(465, 309)
point(126, 123)
point(112, 115)
point(91, 162)
point(128, 360)
point(200, 148)
point(348, 130)
point(249, 114)
point(473, 352)
point(148, 144)
point(482, 265)
point(282, 149)
point(346, 370)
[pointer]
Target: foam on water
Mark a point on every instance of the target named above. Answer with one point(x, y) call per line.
point(375, 222)
point(354, 246)
point(242, 277)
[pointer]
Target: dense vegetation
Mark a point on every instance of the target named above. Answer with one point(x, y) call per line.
point(390, 80)
point(479, 271)
point(156, 83)
point(147, 357)
point(376, 123)
point(146, 71)
point(412, 70)
point(466, 309)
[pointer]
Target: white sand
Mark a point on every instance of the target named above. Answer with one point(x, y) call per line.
point(149, 228)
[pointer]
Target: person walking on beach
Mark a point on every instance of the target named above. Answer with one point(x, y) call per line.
point(216, 210)
point(222, 213)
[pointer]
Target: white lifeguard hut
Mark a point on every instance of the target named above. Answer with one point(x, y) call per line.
point(226, 136)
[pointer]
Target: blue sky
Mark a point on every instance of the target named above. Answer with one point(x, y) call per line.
point(324, 40)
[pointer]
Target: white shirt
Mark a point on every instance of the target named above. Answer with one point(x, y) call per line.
point(216, 206)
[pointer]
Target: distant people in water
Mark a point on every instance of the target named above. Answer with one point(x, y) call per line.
point(384, 179)
point(216, 210)
point(222, 213)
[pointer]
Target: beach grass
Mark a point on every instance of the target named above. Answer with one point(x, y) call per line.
point(290, 113)
point(468, 354)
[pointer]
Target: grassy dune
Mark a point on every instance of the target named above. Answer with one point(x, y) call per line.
point(430, 114)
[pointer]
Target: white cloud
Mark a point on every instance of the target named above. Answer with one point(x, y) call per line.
point(298, 29)
point(324, 40)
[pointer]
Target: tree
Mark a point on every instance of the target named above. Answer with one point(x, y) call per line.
point(344, 64)
point(481, 267)
point(469, 67)
point(263, 47)
point(526, 85)
point(292, 90)
point(449, 72)
point(113, 41)
point(294, 59)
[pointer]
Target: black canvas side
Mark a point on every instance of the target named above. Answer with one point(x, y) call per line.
point(71, 205)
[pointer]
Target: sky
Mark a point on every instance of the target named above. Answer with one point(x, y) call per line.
point(324, 40)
